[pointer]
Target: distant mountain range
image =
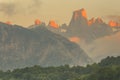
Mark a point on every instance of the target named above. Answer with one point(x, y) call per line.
point(87, 30)
point(53, 44)
point(22, 47)
point(94, 36)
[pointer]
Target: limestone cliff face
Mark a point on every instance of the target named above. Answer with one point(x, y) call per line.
point(91, 21)
point(79, 18)
point(85, 29)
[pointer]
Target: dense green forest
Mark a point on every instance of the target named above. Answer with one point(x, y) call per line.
point(107, 69)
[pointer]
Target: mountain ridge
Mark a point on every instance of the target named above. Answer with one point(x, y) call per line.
point(21, 47)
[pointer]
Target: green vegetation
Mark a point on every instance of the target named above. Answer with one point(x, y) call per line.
point(107, 69)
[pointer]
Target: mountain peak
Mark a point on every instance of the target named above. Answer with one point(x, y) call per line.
point(91, 21)
point(80, 12)
point(53, 24)
point(98, 20)
point(83, 12)
point(37, 22)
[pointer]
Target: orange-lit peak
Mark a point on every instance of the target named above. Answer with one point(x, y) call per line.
point(75, 39)
point(113, 23)
point(83, 12)
point(91, 21)
point(37, 22)
point(53, 24)
point(8, 22)
point(80, 12)
point(99, 20)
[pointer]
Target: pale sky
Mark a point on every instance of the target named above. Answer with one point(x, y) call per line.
point(24, 12)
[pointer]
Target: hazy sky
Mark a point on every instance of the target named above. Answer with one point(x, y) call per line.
point(24, 12)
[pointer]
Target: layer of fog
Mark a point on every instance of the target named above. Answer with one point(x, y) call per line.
point(103, 47)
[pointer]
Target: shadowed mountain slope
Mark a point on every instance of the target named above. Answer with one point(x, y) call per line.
point(21, 47)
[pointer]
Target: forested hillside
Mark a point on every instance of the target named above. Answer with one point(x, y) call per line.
point(107, 69)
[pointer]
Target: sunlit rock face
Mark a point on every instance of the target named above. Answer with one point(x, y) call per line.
point(37, 22)
point(53, 24)
point(98, 20)
point(79, 13)
point(95, 21)
point(78, 22)
point(91, 21)
point(79, 18)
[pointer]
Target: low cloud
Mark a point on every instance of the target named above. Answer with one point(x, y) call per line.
point(103, 47)
point(115, 18)
point(18, 6)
